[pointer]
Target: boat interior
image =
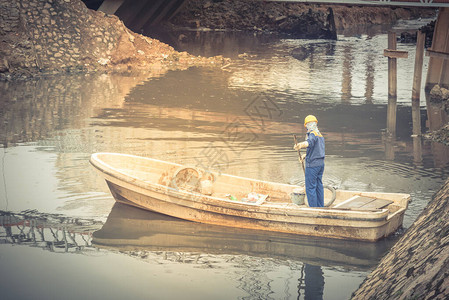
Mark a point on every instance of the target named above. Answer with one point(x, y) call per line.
point(251, 191)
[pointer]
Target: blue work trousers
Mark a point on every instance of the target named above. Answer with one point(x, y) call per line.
point(314, 186)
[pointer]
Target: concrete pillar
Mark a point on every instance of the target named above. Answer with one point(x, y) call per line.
point(178, 6)
point(131, 8)
point(137, 14)
point(146, 14)
point(110, 6)
point(162, 12)
point(438, 70)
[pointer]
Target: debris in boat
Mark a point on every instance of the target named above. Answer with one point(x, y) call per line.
point(252, 197)
point(255, 197)
point(231, 197)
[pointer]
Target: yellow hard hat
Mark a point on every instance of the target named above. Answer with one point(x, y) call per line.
point(310, 118)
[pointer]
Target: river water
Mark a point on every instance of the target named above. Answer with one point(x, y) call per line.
point(63, 236)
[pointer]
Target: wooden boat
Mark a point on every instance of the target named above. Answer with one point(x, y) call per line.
point(193, 194)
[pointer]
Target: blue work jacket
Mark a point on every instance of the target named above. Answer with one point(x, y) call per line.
point(315, 150)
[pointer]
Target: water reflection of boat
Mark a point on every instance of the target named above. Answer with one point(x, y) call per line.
point(130, 229)
point(193, 194)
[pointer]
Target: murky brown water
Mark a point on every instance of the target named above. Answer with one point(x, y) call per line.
point(237, 120)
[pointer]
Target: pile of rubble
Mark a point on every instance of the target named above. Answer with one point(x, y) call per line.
point(55, 36)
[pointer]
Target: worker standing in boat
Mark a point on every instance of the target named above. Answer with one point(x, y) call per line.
point(314, 162)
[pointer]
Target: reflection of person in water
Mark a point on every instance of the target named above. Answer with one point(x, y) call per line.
point(314, 282)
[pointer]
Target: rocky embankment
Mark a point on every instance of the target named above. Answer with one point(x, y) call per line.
point(295, 19)
point(441, 135)
point(417, 267)
point(56, 36)
point(440, 96)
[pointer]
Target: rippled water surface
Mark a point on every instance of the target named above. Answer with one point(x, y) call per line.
point(238, 120)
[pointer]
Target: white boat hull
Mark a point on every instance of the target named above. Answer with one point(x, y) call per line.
point(129, 185)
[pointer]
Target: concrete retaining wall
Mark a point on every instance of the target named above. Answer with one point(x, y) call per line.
point(417, 267)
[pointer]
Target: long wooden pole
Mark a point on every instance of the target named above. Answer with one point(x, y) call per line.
point(300, 156)
point(392, 87)
point(392, 66)
point(416, 90)
point(416, 95)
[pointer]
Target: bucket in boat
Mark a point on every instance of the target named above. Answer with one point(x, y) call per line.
point(297, 196)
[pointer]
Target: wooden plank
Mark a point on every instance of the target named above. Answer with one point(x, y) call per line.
point(377, 204)
point(346, 201)
point(438, 54)
point(364, 203)
point(391, 53)
point(357, 202)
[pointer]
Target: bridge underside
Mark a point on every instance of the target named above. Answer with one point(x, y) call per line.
point(410, 3)
point(141, 14)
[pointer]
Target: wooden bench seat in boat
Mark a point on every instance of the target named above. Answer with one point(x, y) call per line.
point(363, 203)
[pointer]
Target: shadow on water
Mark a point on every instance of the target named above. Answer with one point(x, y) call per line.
point(132, 228)
point(157, 238)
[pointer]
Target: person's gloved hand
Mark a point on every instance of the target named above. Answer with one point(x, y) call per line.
point(299, 146)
